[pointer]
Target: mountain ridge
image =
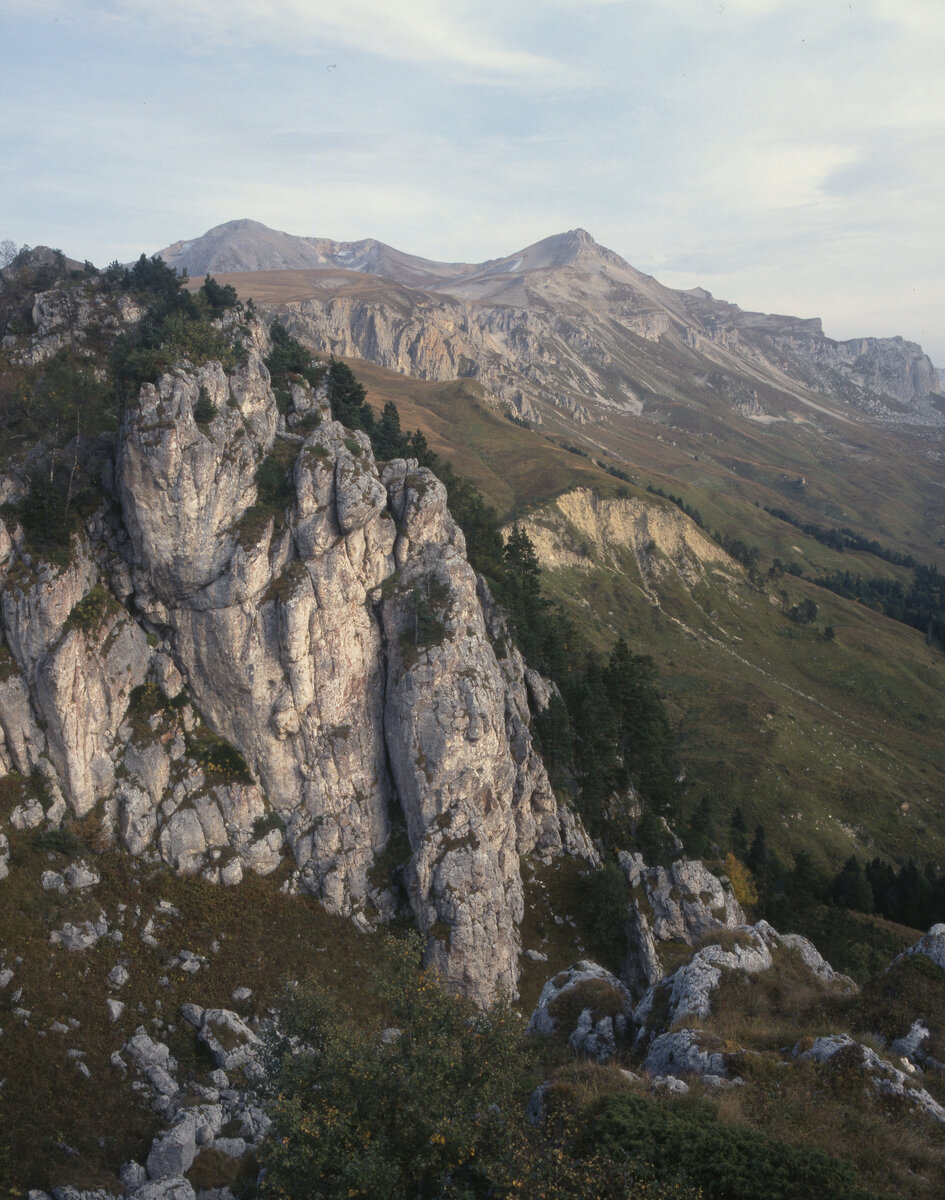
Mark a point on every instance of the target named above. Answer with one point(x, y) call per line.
point(247, 245)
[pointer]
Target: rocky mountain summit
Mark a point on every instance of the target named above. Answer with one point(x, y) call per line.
point(567, 324)
point(234, 683)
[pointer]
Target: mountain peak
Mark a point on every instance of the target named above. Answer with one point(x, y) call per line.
point(563, 248)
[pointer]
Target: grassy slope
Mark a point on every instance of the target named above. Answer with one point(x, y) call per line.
point(834, 745)
point(252, 936)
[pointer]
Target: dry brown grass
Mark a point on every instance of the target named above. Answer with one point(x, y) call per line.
point(263, 938)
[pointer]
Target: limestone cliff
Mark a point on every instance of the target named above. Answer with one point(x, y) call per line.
point(223, 682)
point(567, 324)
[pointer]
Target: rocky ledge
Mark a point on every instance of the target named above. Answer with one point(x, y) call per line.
point(221, 681)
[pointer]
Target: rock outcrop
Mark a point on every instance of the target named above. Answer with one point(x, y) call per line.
point(219, 678)
point(682, 903)
point(885, 1078)
point(587, 1003)
point(566, 323)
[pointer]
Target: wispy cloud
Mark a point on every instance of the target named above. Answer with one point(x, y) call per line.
point(785, 153)
point(448, 37)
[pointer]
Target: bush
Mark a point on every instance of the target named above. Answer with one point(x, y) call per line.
point(204, 410)
point(729, 1162)
point(419, 1114)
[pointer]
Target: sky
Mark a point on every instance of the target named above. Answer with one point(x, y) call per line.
point(788, 155)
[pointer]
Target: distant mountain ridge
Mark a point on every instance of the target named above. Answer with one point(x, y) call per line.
point(569, 323)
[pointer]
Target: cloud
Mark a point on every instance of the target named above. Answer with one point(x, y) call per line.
point(446, 37)
point(456, 37)
point(772, 176)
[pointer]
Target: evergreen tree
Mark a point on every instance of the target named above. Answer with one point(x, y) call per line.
point(348, 398)
point(700, 829)
point(757, 861)
point(739, 835)
point(851, 888)
point(388, 439)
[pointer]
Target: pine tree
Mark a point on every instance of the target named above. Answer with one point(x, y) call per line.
point(739, 834)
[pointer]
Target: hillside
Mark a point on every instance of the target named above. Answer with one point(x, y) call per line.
point(287, 853)
point(833, 744)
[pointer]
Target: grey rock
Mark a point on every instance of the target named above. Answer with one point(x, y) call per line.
point(28, 815)
point(887, 1079)
point(253, 1123)
point(52, 881)
point(173, 1151)
point(682, 902)
point(164, 1189)
point(911, 1045)
point(154, 1060)
point(241, 993)
point(115, 1009)
point(132, 1175)
point(229, 1039)
point(118, 976)
point(80, 937)
point(192, 1014)
point(689, 990)
point(231, 1147)
point(79, 876)
point(535, 1109)
point(680, 1052)
point(209, 1119)
point(671, 1083)
point(809, 955)
point(593, 1033)
point(931, 944)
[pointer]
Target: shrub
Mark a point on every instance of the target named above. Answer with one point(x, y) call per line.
point(420, 1114)
point(729, 1162)
point(217, 756)
point(89, 613)
point(204, 410)
point(743, 882)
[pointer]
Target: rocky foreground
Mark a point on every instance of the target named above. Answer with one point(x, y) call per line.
point(201, 1068)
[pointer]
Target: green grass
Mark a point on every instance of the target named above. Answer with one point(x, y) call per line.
point(833, 744)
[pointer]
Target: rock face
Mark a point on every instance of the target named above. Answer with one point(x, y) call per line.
point(567, 323)
point(682, 902)
point(219, 681)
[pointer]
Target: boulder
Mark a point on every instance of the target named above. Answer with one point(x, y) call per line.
point(680, 1053)
point(229, 1039)
point(887, 1079)
point(173, 1151)
point(587, 1003)
point(931, 944)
